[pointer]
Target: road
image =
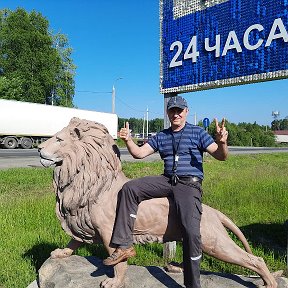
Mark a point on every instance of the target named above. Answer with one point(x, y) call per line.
point(13, 158)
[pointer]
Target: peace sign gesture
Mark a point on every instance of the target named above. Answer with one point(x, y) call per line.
point(221, 132)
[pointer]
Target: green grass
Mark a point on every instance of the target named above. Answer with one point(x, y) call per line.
point(251, 190)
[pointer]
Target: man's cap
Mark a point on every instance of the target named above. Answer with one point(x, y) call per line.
point(178, 102)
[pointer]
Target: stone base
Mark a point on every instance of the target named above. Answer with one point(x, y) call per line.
point(87, 272)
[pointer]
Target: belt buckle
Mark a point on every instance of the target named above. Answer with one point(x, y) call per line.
point(195, 179)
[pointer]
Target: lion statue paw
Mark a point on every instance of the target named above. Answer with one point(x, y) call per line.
point(111, 283)
point(61, 253)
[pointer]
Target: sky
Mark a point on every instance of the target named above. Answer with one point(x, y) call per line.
point(117, 43)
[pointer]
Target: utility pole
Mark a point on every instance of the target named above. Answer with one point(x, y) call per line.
point(113, 99)
point(52, 97)
point(147, 121)
point(143, 131)
point(114, 94)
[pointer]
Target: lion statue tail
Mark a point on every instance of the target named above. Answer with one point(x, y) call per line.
point(227, 223)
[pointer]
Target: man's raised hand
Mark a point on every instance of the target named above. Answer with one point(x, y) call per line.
point(221, 132)
point(124, 133)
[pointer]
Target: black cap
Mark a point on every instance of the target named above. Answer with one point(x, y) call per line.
point(178, 102)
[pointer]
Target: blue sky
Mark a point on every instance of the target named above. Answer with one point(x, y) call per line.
point(120, 39)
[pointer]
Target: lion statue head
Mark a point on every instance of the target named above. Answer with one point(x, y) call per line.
point(86, 162)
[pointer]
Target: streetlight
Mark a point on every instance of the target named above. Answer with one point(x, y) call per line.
point(114, 94)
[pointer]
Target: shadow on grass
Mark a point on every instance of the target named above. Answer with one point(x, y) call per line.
point(39, 253)
point(271, 237)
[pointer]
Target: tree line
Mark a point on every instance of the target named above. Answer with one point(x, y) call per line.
point(241, 134)
point(281, 124)
point(35, 64)
point(137, 125)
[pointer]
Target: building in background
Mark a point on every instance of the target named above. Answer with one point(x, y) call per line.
point(281, 136)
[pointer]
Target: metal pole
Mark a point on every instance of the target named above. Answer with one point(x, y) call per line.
point(169, 249)
point(52, 98)
point(114, 94)
point(143, 132)
point(167, 97)
point(147, 123)
point(286, 228)
point(113, 99)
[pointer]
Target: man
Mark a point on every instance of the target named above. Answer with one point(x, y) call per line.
point(181, 147)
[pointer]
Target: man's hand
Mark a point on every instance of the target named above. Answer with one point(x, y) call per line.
point(221, 132)
point(124, 133)
point(219, 148)
point(136, 151)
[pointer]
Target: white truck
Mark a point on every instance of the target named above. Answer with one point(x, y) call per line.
point(26, 125)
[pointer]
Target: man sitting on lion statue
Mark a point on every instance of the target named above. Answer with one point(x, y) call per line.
point(90, 187)
point(181, 147)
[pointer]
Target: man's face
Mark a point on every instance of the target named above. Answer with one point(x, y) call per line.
point(177, 116)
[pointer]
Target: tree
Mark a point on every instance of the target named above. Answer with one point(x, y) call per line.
point(122, 122)
point(241, 134)
point(284, 124)
point(156, 124)
point(275, 125)
point(64, 85)
point(30, 58)
point(246, 134)
point(11, 88)
point(136, 125)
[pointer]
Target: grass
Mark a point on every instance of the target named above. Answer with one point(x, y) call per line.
point(251, 190)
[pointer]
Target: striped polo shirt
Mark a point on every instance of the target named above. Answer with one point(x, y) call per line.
point(194, 142)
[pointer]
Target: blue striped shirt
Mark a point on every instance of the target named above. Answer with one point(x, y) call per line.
point(194, 142)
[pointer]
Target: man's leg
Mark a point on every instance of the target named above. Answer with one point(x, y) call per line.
point(188, 204)
point(130, 196)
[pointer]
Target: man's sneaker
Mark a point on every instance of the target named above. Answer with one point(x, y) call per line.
point(119, 255)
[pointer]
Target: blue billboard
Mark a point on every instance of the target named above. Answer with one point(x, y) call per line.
point(214, 43)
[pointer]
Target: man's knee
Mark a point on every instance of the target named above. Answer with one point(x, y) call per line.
point(130, 190)
point(126, 186)
point(129, 186)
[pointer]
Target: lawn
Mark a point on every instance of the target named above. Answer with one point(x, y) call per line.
point(251, 190)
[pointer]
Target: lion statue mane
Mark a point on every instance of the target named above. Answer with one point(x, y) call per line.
point(87, 178)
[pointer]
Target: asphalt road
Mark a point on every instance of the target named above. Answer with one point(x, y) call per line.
point(12, 158)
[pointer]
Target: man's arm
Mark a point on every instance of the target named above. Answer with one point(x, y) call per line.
point(219, 150)
point(136, 151)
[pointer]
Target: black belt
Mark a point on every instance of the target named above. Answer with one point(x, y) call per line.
point(189, 179)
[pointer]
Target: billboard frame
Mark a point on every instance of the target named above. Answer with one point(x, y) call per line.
point(218, 83)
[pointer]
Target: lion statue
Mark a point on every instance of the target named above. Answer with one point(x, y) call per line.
point(87, 178)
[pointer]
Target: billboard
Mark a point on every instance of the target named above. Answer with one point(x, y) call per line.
point(207, 44)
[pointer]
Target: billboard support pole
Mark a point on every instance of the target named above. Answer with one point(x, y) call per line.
point(167, 97)
point(169, 249)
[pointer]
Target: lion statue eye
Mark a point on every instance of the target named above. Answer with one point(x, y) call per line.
point(58, 139)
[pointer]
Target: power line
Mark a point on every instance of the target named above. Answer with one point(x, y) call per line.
point(93, 92)
point(137, 110)
point(118, 99)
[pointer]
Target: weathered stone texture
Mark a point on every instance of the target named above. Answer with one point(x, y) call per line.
point(87, 272)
